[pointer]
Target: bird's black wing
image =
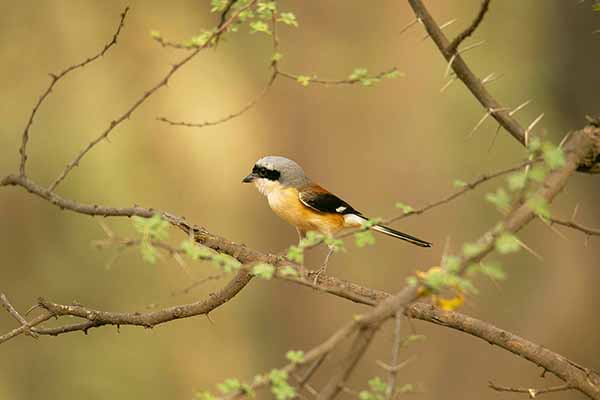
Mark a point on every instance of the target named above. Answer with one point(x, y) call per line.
point(321, 200)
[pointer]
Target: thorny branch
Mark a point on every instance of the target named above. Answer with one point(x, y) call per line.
point(531, 392)
point(582, 149)
point(54, 80)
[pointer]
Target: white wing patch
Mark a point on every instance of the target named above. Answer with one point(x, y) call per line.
point(341, 209)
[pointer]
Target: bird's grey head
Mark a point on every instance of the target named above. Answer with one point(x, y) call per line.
point(272, 170)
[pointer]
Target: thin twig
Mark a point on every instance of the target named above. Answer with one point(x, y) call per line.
point(163, 82)
point(471, 29)
point(531, 392)
point(54, 78)
point(12, 311)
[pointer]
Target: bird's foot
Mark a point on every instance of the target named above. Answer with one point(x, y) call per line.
point(318, 273)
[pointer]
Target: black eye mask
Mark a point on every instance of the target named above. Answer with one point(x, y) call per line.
point(266, 173)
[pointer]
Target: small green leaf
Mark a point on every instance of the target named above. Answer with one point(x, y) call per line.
point(414, 338)
point(195, 251)
point(358, 74)
point(303, 80)
point(534, 144)
point(288, 18)
point(392, 74)
point(276, 57)
point(226, 262)
point(458, 183)
point(229, 386)
point(406, 209)
point(336, 244)
point(218, 5)
point(500, 199)
point(472, 249)
point(451, 263)
point(263, 270)
point(295, 254)
point(155, 34)
point(378, 385)
point(538, 173)
point(493, 270)
point(553, 156)
point(312, 238)
point(259, 26)
point(364, 238)
point(204, 395)
point(149, 252)
point(295, 356)
point(288, 271)
point(507, 243)
point(412, 281)
point(540, 206)
point(517, 180)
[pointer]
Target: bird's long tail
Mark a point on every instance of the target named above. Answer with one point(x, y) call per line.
point(397, 234)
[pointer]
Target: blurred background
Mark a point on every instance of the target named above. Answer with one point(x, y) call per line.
point(399, 141)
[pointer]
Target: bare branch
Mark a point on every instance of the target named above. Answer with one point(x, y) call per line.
point(471, 29)
point(531, 392)
point(575, 376)
point(465, 74)
point(15, 314)
point(54, 80)
point(574, 225)
point(163, 82)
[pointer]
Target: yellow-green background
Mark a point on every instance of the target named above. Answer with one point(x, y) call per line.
point(399, 141)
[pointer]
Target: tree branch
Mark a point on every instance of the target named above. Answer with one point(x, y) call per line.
point(465, 74)
point(574, 375)
point(471, 29)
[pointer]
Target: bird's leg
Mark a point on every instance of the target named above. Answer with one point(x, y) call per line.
point(324, 266)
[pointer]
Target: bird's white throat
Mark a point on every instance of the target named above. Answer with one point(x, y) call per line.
point(266, 186)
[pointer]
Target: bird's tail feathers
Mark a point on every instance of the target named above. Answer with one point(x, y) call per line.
point(400, 235)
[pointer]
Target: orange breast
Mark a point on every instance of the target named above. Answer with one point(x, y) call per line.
point(286, 204)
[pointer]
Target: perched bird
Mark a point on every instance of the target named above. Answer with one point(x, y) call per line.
point(308, 206)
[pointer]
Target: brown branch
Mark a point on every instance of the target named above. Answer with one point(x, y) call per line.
point(465, 74)
point(471, 29)
point(15, 314)
point(163, 82)
point(574, 225)
point(24, 328)
point(54, 80)
point(575, 376)
point(531, 392)
point(221, 120)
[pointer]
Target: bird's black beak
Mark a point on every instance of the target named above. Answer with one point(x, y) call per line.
point(249, 179)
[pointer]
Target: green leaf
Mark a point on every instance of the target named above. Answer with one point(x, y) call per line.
point(365, 395)
point(596, 7)
point(539, 206)
point(336, 244)
point(229, 386)
point(538, 173)
point(472, 249)
point(378, 385)
point(452, 263)
point(218, 5)
point(277, 376)
point(463, 284)
point(534, 144)
point(507, 243)
point(195, 251)
point(312, 238)
point(358, 74)
point(295, 356)
point(414, 338)
point(517, 180)
point(500, 199)
point(303, 80)
point(295, 254)
point(201, 39)
point(406, 209)
point(204, 395)
point(288, 271)
point(553, 155)
point(263, 270)
point(151, 228)
point(436, 279)
point(276, 57)
point(288, 18)
point(406, 388)
point(155, 34)
point(392, 74)
point(149, 252)
point(458, 183)
point(412, 281)
point(364, 238)
point(226, 262)
point(492, 270)
point(259, 26)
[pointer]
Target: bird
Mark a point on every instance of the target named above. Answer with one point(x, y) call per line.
point(306, 205)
